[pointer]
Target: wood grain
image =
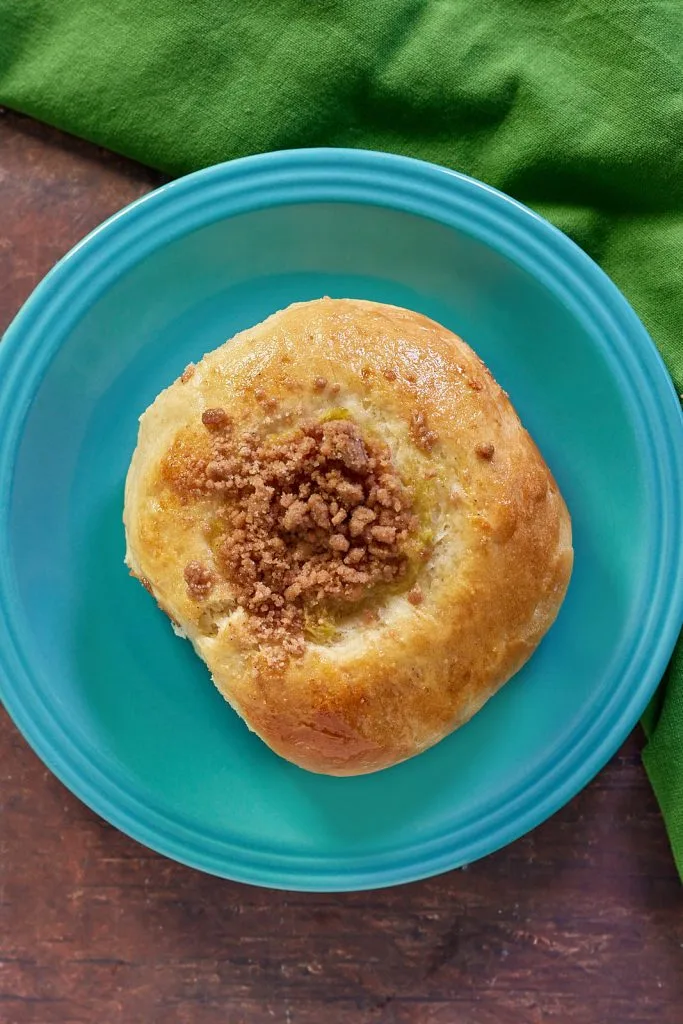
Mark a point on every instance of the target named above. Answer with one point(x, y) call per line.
point(579, 922)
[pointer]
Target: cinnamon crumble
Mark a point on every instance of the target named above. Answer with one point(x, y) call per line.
point(422, 435)
point(485, 451)
point(199, 580)
point(305, 523)
point(215, 419)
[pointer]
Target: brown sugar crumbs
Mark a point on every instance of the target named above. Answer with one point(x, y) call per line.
point(215, 419)
point(315, 518)
point(422, 435)
point(485, 451)
point(199, 580)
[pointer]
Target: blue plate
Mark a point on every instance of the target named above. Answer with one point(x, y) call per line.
point(124, 713)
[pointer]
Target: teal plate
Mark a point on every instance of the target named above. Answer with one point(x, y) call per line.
point(124, 713)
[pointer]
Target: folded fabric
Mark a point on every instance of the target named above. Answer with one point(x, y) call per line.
point(573, 106)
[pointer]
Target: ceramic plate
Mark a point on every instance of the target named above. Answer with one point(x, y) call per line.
point(124, 713)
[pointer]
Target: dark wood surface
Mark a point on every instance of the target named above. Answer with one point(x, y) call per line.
point(581, 921)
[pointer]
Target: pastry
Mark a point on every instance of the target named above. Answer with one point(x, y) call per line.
point(342, 512)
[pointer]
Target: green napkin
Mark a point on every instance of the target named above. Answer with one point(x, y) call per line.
point(573, 106)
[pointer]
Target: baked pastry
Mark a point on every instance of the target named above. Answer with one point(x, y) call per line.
point(341, 510)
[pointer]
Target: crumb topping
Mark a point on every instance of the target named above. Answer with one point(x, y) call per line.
point(304, 522)
point(422, 435)
point(485, 451)
point(215, 419)
point(199, 580)
point(269, 403)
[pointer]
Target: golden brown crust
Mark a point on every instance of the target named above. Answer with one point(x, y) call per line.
point(408, 665)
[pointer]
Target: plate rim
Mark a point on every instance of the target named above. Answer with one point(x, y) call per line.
point(400, 183)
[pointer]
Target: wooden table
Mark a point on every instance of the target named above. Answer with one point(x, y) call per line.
point(581, 921)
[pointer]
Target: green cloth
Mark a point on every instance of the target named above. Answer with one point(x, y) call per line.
point(573, 106)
